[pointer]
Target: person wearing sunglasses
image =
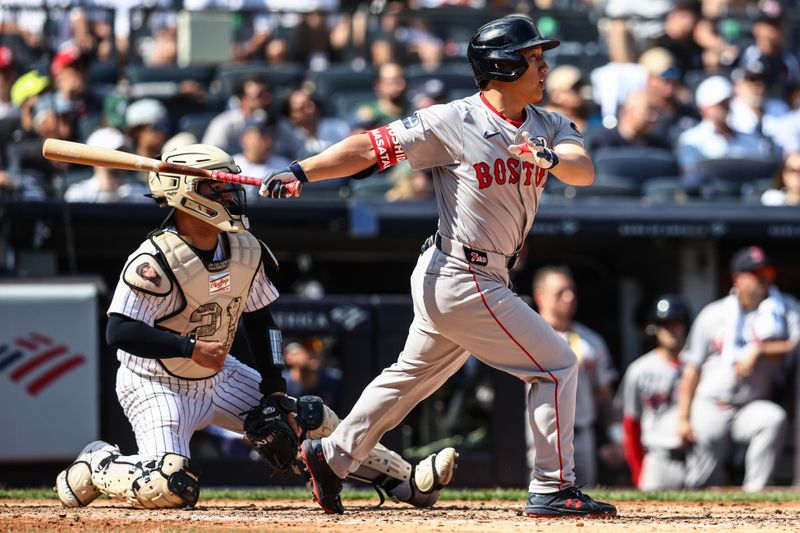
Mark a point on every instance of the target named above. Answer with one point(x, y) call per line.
point(732, 356)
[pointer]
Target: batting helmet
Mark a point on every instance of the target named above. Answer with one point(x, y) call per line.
point(493, 51)
point(224, 208)
point(669, 307)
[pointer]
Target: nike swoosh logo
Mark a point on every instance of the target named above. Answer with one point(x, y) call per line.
point(487, 135)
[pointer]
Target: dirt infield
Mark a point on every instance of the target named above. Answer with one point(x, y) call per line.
point(361, 516)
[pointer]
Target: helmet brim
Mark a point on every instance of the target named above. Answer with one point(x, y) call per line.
point(546, 44)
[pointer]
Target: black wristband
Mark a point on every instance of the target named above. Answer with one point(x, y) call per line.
point(298, 171)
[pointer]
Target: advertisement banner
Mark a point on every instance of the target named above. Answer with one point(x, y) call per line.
point(48, 370)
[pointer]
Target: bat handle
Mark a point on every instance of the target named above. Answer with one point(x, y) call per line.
point(218, 175)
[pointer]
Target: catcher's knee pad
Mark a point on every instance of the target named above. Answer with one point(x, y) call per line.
point(74, 484)
point(317, 419)
point(169, 482)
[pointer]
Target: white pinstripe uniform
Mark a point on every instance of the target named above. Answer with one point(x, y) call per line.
point(164, 410)
point(487, 199)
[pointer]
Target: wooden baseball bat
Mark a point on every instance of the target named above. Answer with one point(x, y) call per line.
point(83, 154)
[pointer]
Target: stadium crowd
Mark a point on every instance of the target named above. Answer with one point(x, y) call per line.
point(679, 100)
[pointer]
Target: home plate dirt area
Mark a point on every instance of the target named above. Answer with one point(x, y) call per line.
point(363, 516)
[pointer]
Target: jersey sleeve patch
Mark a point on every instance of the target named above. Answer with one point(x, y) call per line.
point(145, 273)
point(387, 147)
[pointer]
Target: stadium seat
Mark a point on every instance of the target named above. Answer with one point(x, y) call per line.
point(87, 124)
point(728, 175)
point(282, 77)
point(136, 74)
point(373, 188)
point(340, 78)
point(454, 76)
point(751, 191)
point(662, 190)
point(343, 104)
point(636, 163)
point(196, 123)
point(604, 185)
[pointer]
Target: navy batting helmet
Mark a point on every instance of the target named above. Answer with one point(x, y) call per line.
point(669, 307)
point(493, 51)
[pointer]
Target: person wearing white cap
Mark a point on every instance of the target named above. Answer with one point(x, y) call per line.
point(147, 124)
point(714, 138)
point(106, 184)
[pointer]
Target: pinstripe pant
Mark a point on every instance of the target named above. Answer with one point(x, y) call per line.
point(165, 411)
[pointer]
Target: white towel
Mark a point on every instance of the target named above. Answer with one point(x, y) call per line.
point(769, 323)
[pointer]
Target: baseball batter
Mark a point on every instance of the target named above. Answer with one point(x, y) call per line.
point(173, 319)
point(654, 452)
point(490, 154)
point(732, 355)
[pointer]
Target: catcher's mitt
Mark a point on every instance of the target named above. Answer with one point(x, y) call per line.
point(267, 429)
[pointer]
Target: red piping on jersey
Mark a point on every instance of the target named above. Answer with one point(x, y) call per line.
point(515, 123)
point(555, 380)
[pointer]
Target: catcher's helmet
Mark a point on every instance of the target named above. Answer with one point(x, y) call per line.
point(493, 51)
point(224, 208)
point(669, 307)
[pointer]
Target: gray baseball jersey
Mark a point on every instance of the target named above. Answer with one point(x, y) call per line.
point(705, 347)
point(648, 391)
point(487, 199)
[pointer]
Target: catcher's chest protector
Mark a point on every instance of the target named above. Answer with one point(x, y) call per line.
point(214, 294)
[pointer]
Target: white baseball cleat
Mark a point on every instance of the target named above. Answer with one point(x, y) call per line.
point(74, 484)
point(436, 471)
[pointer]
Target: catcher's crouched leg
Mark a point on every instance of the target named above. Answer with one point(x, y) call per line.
point(168, 482)
point(74, 484)
point(426, 481)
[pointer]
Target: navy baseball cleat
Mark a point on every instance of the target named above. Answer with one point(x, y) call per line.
point(568, 502)
point(325, 483)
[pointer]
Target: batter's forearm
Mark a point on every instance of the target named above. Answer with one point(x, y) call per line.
point(345, 158)
point(686, 390)
point(574, 167)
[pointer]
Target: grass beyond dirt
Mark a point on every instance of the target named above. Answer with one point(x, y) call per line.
point(722, 495)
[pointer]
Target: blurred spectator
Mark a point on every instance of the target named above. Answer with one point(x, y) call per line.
point(304, 131)
point(679, 38)
point(54, 116)
point(391, 102)
point(786, 187)
point(106, 184)
point(556, 300)
point(733, 354)
point(306, 372)
point(8, 75)
point(565, 89)
point(257, 157)
point(311, 43)
point(673, 116)
point(432, 92)
point(146, 120)
point(410, 184)
point(648, 394)
point(781, 68)
point(637, 117)
point(613, 82)
point(252, 93)
point(24, 95)
point(68, 69)
point(644, 19)
point(714, 138)
point(752, 110)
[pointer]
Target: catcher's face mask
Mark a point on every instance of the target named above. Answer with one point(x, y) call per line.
point(222, 205)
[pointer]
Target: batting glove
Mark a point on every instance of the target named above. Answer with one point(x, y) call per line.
point(283, 183)
point(534, 151)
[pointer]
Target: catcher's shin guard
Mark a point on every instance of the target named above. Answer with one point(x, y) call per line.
point(74, 484)
point(430, 476)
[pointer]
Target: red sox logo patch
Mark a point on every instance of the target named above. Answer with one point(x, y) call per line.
point(37, 361)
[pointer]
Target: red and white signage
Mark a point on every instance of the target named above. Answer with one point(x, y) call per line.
point(48, 370)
